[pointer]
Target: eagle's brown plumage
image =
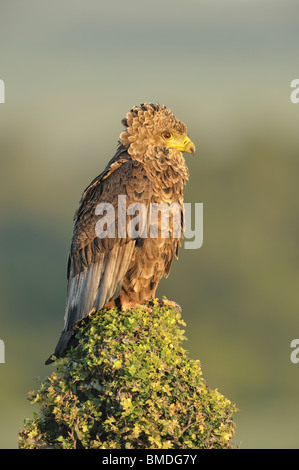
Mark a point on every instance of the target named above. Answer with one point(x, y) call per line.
point(122, 270)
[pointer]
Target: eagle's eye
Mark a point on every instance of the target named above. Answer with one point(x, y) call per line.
point(166, 135)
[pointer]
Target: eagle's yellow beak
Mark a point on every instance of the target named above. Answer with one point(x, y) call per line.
point(179, 142)
point(188, 146)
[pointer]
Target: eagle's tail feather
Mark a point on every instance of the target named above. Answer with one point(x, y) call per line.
point(91, 289)
point(62, 344)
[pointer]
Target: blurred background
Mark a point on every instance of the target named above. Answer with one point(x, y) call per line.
point(72, 70)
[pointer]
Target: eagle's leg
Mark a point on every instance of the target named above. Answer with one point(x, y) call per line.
point(110, 305)
point(130, 301)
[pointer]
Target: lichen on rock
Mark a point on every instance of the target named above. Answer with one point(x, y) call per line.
point(129, 384)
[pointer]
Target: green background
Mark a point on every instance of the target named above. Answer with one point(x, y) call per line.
point(72, 70)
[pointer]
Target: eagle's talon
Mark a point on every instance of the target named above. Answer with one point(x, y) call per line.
point(165, 303)
point(176, 307)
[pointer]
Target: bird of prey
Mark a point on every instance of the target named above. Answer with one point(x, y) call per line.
point(123, 267)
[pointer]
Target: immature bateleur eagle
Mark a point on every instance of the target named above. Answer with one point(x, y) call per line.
point(125, 270)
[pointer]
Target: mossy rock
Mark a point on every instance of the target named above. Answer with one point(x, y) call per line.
point(129, 384)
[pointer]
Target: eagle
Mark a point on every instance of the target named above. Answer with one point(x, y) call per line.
point(110, 265)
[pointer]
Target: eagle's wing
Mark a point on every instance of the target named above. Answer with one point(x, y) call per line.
point(96, 265)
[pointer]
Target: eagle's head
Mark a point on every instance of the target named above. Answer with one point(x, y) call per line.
point(151, 128)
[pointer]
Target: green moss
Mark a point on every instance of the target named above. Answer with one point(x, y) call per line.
point(129, 384)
